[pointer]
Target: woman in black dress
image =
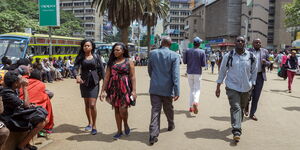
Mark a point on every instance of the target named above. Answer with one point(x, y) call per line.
point(92, 72)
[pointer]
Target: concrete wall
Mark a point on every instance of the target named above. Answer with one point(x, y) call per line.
point(281, 37)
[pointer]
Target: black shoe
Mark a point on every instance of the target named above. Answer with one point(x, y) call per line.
point(171, 128)
point(153, 140)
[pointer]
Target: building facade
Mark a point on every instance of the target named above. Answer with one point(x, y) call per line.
point(174, 24)
point(281, 38)
point(92, 23)
point(255, 19)
point(222, 23)
point(194, 24)
point(224, 20)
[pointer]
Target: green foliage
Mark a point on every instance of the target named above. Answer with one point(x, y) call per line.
point(15, 15)
point(292, 12)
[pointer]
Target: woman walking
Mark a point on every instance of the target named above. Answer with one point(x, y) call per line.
point(92, 72)
point(292, 65)
point(119, 86)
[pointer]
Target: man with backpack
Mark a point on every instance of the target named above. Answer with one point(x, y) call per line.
point(262, 56)
point(239, 68)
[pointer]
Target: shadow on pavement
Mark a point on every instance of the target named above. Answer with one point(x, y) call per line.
point(134, 136)
point(68, 128)
point(292, 108)
point(211, 134)
point(88, 137)
point(281, 79)
point(283, 92)
point(209, 80)
point(142, 94)
point(279, 91)
point(225, 118)
point(187, 113)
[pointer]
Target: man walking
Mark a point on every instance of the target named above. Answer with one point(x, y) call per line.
point(195, 59)
point(239, 68)
point(262, 56)
point(163, 69)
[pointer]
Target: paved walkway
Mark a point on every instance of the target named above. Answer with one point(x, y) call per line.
point(277, 127)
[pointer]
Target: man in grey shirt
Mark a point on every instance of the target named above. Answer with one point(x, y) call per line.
point(239, 68)
point(163, 69)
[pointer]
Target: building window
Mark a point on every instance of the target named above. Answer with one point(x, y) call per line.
point(79, 11)
point(249, 12)
point(88, 3)
point(195, 21)
point(79, 4)
point(67, 4)
point(89, 18)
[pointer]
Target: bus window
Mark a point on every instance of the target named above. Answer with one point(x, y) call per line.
point(44, 50)
point(75, 50)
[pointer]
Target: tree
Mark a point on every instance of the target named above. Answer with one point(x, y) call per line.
point(121, 13)
point(15, 15)
point(292, 12)
point(154, 9)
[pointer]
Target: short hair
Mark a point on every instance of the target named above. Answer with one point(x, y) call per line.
point(23, 61)
point(36, 74)
point(166, 40)
point(10, 78)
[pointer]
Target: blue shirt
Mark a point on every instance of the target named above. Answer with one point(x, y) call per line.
point(195, 60)
point(163, 69)
point(241, 76)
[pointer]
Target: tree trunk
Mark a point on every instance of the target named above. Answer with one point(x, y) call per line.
point(148, 37)
point(124, 35)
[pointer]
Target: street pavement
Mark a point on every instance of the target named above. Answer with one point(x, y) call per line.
point(277, 127)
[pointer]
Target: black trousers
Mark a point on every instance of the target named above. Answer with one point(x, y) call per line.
point(256, 93)
point(157, 103)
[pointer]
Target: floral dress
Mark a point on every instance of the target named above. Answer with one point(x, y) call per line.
point(119, 85)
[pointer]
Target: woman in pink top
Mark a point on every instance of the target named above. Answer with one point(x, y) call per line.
point(284, 58)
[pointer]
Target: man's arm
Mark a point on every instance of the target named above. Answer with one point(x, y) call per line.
point(203, 59)
point(223, 69)
point(176, 75)
point(253, 71)
point(150, 64)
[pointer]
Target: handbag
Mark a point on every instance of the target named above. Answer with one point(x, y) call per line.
point(24, 119)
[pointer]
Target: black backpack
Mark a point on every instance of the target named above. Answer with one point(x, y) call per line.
point(229, 60)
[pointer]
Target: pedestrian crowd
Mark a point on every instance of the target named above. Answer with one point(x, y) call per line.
point(25, 103)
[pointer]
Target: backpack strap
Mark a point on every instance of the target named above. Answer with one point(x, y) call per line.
point(229, 60)
point(252, 58)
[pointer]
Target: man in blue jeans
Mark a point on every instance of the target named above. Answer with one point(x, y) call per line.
point(163, 69)
point(239, 68)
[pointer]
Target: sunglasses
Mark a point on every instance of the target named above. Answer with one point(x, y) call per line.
point(240, 41)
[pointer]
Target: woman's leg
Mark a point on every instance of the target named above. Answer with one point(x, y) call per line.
point(31, 134)
point(124, 116)
point(93, 110)
point(289, 74)
point(292, 79)
point(88, 111)
point(118, 119)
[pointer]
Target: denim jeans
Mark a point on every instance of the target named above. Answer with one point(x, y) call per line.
point(237, 102)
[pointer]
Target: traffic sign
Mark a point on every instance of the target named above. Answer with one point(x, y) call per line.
point(49, 13)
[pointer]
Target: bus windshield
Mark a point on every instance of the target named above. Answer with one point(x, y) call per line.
point(12, 48)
